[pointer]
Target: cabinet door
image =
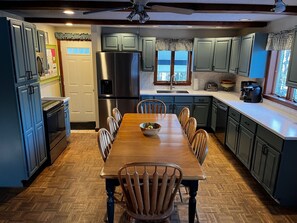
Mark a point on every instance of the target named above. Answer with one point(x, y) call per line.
point(232, 134)
point(221, 54)
point(258, 160)
point(245, 146)
point(42, 48)
point(179, 106)
point(28, 128)
point(111, 42)
point(148, 53)
point(213, 117)
point(19, 56)
point(292, 74)
point(129, 42)
point(245, 55)
point(203, 54)
point(38, 123)
point(30, 50)
point(234, 56)
point(200, 112)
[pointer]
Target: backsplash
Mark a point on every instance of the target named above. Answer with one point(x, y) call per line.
point(147, 79)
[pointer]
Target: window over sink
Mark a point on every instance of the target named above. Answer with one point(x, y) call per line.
point(173, 64)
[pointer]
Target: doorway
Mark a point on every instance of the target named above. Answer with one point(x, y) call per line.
point(78, 81)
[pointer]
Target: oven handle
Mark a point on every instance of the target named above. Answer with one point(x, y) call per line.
point(51, 113)
point(222, 106)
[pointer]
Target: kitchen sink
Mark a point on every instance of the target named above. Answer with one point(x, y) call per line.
point(173, 91)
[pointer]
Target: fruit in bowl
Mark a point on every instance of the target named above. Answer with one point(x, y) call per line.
point(150, 128)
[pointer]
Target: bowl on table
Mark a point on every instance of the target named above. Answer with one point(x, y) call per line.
point(150, 128)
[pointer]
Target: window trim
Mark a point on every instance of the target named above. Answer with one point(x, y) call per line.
point(270, 83)
point(180, 83)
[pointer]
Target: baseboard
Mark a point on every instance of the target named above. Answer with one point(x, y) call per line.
point(83, 125)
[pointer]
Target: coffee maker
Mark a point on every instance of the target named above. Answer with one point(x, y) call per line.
point(243, 85)
point(252, 93)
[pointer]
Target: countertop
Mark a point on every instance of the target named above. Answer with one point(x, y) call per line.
point(268, 114)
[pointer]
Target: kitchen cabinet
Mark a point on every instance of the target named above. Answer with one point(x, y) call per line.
point(213, 114)
point(22, 138)
point(148, 53)
point(234, 55)
point(265, 164)
point(120, 42)
point(23, 47)
point(42, 49)
point(240, 136)
point(201, 109)
point(211, 54)
point(180, 102)
point(252, 56)
point(33, 128)
point(292, 73)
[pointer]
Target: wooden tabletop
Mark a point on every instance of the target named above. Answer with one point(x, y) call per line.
point(170, 145)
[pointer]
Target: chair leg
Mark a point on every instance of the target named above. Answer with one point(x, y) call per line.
point(180, 196)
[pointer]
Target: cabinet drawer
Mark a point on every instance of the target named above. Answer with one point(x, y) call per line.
point(202, 99)
point(234, 114)
point(184, 99)
point(272, 139)
point(165, 99)
point(143, 97)
point(249, 124)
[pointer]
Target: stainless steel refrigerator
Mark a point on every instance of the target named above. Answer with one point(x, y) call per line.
point(118, 83)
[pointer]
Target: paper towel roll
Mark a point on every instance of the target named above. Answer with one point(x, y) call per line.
point(195, 84)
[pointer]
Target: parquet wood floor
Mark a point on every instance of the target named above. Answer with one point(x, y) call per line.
point(71, 191)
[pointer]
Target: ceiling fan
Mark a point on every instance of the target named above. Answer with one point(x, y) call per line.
point(279, 6)
point(138, 10)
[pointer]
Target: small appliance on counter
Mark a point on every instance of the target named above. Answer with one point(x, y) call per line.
point(211, 86)
point(252, 93)
point(227, 85)
point(245, 84)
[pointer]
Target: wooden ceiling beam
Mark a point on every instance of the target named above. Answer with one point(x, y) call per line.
point(148, 23)
point(95, 5)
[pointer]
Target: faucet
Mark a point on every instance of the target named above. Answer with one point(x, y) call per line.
point(171, 82)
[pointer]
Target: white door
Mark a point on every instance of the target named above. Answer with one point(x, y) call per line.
point(78, 79)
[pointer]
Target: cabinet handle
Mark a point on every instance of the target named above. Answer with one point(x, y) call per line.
point(29, 75)
point(264, 149)
point(233, 114)
point(31, 89)
point(247, 123)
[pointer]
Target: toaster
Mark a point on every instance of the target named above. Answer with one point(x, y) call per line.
point(211, 86)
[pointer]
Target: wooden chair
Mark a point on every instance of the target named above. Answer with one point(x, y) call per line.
point(149, 189)
point(183, 116)
point(104, 139)
point(117, 115)
point(200, 145)
point(113, 126)
point(151, 106)
point(190, 128)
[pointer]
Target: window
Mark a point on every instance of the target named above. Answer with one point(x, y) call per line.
point(276, 88)
point(78, 51)
point(176, 63)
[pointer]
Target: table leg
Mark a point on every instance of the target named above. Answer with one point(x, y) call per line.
point(110, 188)
point(193, 188)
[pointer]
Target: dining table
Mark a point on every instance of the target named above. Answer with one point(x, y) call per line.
point(170, 145)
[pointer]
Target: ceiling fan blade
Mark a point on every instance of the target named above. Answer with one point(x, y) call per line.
point(105, 10)
point(162, 8)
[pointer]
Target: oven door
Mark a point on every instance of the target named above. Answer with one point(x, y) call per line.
point(55, 125)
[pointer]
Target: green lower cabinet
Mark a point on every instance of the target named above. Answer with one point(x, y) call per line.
point(265, 165)
point(245, 146)
point(168, 100)
point(213, 121)
point(232, 134)
point(179, 106)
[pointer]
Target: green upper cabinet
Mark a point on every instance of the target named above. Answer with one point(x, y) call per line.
point(120, 42)
point(148, 53)
point(253, 56)
point(23, 47)
point(234, 55)
point(221, 54)
point(292, 74)
point(203, 54)
point(211, 54)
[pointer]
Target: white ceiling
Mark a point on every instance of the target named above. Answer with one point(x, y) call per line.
point(199, 16)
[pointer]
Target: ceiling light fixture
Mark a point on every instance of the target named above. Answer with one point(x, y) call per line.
point(68, 12)
point(280, 6)
point(69, 24)
point(138, 10)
